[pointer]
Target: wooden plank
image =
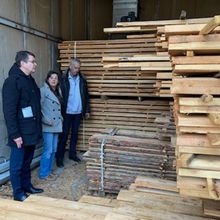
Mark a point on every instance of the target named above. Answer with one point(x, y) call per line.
point(211, 25)
point(163, 22)
point(198, 86)
point(184, 160)
point(205, 162)
point(214, 139)
point(196, 60)
point(199, 150)
point(137, 36)
point(197, 185)
point(209, 47)
point(197, 68)
point(155, 183)
point(211, 208)
point(136, 58)
point(99, 201)
point(193, 38)
point(199, 173)
point(185, 29)
point(128, 30)
point(191, 121)
point(66, 204)
point(12, 215)
point(47, 211)
point(212, 189)
point(117, 216)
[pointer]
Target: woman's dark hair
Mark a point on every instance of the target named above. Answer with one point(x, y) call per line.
point(49, 74)
point(57, 90)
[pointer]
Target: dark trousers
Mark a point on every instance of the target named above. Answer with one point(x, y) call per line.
point(73, 122)
point(20, 171)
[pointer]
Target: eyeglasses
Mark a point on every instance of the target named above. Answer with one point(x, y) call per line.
point(32, 61)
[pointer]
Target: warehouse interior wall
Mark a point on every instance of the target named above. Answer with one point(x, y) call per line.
point(42, 15)
point(171, 9)
point(85, 19)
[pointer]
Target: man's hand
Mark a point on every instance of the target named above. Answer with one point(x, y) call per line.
point(19, 142)
point(87, 116)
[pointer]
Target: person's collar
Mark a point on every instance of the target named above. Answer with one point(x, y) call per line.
point(70, 76)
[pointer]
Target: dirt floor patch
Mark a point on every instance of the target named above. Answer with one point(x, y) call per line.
point(69, 183)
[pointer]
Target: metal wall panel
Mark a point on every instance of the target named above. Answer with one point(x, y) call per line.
point(100, 16)
point(154, 9)
point(42, 15)
point(9, 9)
point(41, 48)
point(11, 41)
point(39, 14)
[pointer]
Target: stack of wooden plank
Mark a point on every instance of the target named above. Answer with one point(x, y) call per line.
point(195, 56)
point(136, 77)
point(151, 66)
point(158, 201)
point(153, 116)
point(115, 80)
point(164, 77)
point(149, 26)
point(127, 154)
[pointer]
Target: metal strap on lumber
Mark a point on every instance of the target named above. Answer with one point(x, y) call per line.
point(102, 154)
point(74, 49)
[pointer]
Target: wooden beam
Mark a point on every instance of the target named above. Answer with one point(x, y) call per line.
point(212, 188)
point(211, 208)
point(199, 173)
point(185, 29)
point(211, 25)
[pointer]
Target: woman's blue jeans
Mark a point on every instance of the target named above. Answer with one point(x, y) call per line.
point(48, 155)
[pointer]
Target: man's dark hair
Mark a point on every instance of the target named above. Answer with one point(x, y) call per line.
point(22, 56)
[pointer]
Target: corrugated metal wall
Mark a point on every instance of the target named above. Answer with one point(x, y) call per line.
point(171, 9)
point(85, 19)
point(42, 15)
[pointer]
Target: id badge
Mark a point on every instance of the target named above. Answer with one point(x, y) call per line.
point(27, 112)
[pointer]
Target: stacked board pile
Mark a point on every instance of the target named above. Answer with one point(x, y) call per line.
point(152, 116)
point(147, 29)
point(115, 160)
point(195, 51)
point(125, 67)
point(163, 203)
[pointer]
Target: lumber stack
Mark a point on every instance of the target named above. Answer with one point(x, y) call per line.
point(151, 67)
point(113, 80)
point(152, 116)
point(128, 67)
point(145, 30)
point(196, 86)
point(127, 154)
point(163, 203)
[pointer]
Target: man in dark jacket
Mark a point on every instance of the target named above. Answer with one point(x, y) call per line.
point(21, 108)
point(76, 104)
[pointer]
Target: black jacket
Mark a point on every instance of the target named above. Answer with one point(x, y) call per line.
point(65, 88)
point(20, 91)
